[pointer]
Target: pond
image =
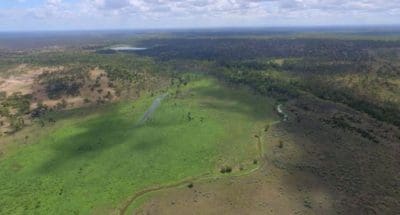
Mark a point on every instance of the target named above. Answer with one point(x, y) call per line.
point(127, 48)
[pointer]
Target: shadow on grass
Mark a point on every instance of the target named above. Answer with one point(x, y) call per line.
point(95, 136)
point(363, 175)
point(237, 100)
point(99, 135)
point(103, 132)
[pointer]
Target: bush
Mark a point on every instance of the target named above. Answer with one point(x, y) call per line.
point(226, 169)
point(121, 74)
point(17, 101)
point(39, 111)
point(280, 144)
point(17, 123)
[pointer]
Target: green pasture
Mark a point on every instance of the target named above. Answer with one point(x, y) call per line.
point(93, 159)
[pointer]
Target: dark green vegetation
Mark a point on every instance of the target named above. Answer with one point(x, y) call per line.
point(340, 93)
point(357, 154)
point(345, 71)
point(13, 108)
point(63, 83)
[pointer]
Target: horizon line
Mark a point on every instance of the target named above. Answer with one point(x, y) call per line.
point(286, 27)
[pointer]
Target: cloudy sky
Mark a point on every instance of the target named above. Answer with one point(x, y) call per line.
point(133, 14)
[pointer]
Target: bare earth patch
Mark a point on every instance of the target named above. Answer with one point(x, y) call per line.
point(88, 94)
point(22, 79)
point(25, 79)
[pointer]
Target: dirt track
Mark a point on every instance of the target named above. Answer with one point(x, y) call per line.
point(156, 103)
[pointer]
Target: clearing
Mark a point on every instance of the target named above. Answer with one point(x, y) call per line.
point(95, 160)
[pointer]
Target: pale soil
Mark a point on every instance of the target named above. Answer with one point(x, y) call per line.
point(24, 79)
point(85, 93)
point(21, 79)
point(39, 92)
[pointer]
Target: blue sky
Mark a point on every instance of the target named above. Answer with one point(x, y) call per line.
point(132, 14)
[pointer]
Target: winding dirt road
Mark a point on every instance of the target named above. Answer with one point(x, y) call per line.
point(146, 116)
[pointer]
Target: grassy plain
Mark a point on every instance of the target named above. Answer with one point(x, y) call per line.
point(93, 159)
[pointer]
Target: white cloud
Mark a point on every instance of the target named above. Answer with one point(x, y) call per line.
point(186, 13)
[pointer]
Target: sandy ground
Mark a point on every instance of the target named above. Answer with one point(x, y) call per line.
point(85, 93)
point(22, 78)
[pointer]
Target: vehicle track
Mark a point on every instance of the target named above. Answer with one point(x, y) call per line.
point(149, 112)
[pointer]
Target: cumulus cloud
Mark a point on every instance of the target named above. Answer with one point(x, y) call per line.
point(178, 13)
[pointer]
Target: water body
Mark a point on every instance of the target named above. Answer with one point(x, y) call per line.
point(156, 103)
point(127, 48)
point(282, 113)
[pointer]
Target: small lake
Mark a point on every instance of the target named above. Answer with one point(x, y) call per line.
point(127, 48)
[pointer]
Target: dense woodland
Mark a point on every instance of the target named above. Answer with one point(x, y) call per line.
point(288, 67)
point(345, 71)
point(244, 49)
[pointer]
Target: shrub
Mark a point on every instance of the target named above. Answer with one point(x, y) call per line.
point(17, 123)
point(40, 110)
point(67, 82)
point(226, 169)
point(18, 101)
point(266, 128)
point(280, 144)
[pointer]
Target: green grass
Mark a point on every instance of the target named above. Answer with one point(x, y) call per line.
point(91, 161)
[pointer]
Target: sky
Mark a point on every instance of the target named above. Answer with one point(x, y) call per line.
point(27, 15)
